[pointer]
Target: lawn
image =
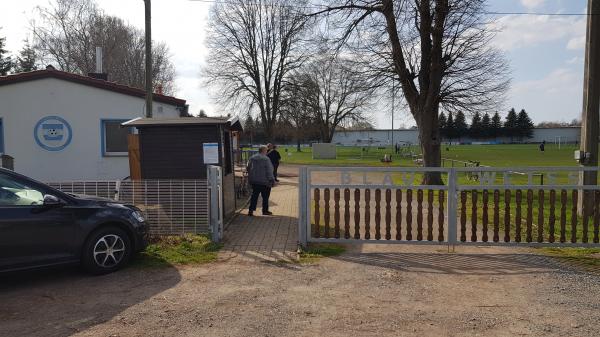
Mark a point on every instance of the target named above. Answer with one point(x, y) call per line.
point(514, 155)
point(178, 250)
point(315, 252)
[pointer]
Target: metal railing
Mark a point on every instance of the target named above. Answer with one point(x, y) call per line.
point(171, 207)
point(504, 206)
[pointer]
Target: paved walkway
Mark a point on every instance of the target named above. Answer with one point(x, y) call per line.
point(267, 238)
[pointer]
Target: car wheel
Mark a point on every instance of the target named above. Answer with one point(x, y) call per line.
point(107, 250)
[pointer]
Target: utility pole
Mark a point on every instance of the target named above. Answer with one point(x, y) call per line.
point(393, 99)
point(591, 105)
point(148, 32)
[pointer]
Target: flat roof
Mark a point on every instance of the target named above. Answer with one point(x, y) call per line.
point(143, 122)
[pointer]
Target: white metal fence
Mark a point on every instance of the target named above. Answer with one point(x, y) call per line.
point(503, 206)
point(171, 207)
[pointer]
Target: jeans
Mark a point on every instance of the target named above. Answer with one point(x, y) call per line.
point(275, 170)
point(264, 192)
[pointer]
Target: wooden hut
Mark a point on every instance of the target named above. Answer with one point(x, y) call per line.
point(183, 148)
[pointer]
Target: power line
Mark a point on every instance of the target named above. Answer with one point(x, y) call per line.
point(321, 7)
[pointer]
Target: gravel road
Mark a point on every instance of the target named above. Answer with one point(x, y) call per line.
point(374, 291)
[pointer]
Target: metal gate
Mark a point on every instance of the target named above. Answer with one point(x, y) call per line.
point(476, 206)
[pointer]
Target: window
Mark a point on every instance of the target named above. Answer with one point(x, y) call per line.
point(114, 137)
point(1, 137)
point(15, 193)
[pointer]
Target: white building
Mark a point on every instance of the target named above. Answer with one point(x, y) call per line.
point(385, 137)
point(60, 126)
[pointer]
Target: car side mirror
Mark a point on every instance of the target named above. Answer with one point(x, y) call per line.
point(52, 201)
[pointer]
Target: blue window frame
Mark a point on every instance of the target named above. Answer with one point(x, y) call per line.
point(1, 137)
point(113, 138)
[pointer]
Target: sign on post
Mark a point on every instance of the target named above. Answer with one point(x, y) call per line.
point(211, 153)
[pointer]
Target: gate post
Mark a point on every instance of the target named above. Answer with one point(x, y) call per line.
point(215, 206)
point(302, 207)
point(452, 205)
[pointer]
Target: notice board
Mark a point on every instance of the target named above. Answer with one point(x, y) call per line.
point(211, 153)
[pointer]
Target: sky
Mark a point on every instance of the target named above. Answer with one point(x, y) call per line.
point(545, 53)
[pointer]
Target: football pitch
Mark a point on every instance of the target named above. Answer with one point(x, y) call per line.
point(513, 155)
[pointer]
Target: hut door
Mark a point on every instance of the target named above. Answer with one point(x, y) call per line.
point(135, 170)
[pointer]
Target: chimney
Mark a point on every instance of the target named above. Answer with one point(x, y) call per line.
point(50, 67)
point(99, 74)
point(99, 60)
point(159, 89)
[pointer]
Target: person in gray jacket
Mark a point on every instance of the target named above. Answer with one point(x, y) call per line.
point(260, 176)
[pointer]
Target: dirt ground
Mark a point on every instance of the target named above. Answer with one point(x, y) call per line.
point(370, 290)
point(406, 291)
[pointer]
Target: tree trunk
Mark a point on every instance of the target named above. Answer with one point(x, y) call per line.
point(268, 128)
point(329, 136)
point(429, 135)
point(298, 149)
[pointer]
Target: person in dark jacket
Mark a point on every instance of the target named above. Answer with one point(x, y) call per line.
point(275, 158)
point(260, 176)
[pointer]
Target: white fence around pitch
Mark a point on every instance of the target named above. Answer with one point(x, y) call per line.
point(503, 206)
point(170, 206)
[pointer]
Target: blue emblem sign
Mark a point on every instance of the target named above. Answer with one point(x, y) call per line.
point(52, 133)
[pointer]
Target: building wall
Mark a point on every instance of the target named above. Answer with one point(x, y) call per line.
point(384, 137)
point(82, 107)
point(176, 151)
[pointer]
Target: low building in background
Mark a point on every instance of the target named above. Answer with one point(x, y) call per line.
point(562, 135)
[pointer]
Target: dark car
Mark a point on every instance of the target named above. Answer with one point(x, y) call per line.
point(41, 226)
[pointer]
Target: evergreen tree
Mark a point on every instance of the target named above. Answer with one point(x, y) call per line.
point(6, 62)
point(510, 125)
point(442, 125)
point(450, 127)
point(524, 125)
point(27, 59)
point(259, 130)
point(496, 127)
point(249, 129)
point(486, 126)
point(475, 129)
point(460, 124)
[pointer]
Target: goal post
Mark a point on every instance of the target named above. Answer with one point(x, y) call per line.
point(558, 140)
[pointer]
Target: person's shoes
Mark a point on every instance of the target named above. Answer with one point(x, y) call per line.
point(277, 180)
point(267, 213)
point(250, 213)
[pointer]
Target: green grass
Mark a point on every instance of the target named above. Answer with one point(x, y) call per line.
point(178, 250)
point(515, 155)
point(583, 257)
point(316, 252)
point(346, 156)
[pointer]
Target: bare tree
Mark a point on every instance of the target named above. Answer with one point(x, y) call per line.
point(438, 50)
point(69, 30)
point(337, 94)
point(297, 108)
point(254, 45)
